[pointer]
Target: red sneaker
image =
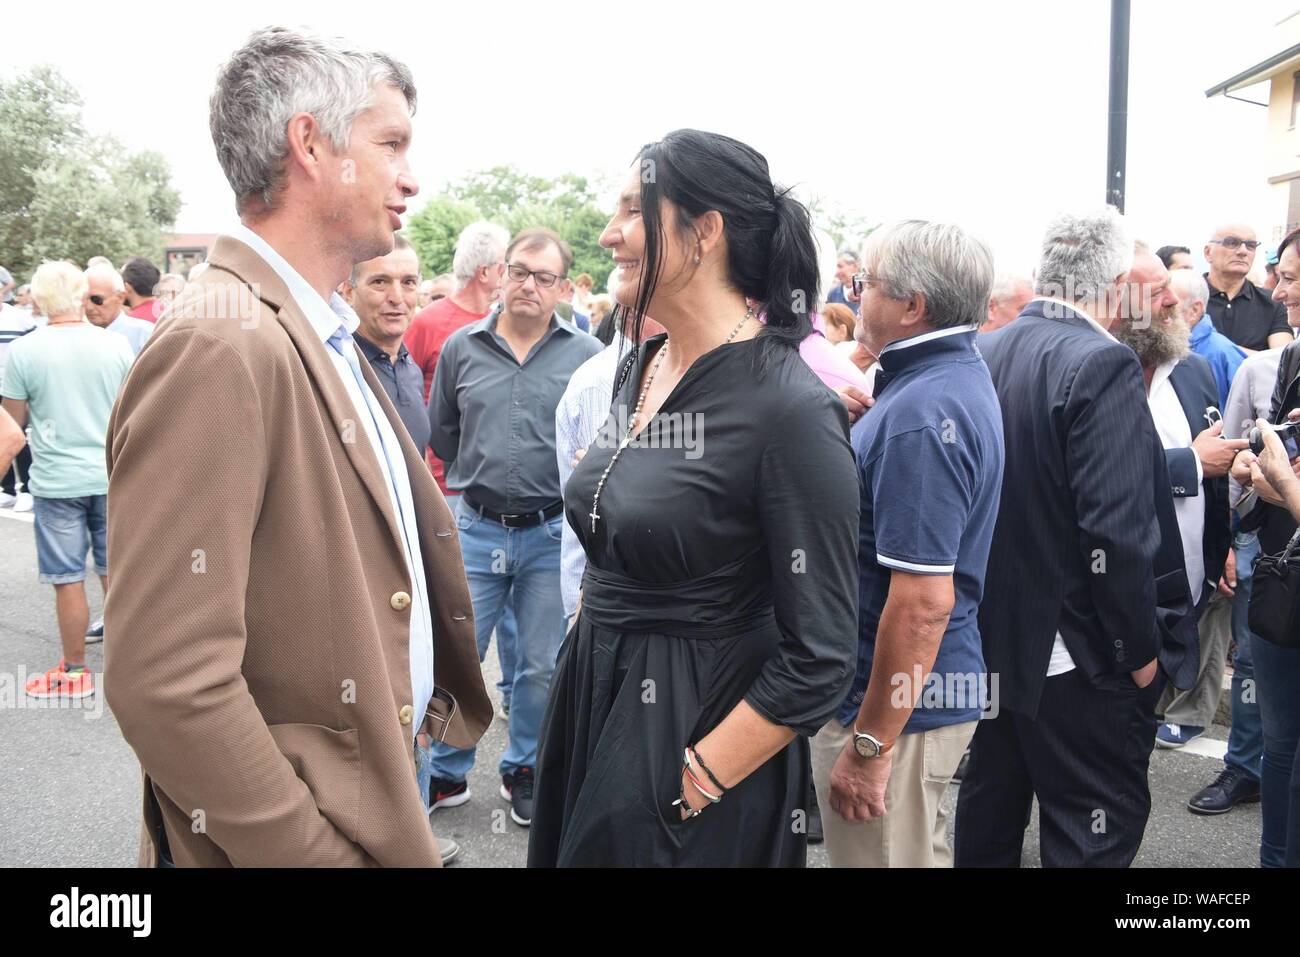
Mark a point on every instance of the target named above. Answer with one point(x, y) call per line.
point(57, 683)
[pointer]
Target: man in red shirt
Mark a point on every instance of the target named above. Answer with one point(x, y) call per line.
point(479, 268)
point(141, 279)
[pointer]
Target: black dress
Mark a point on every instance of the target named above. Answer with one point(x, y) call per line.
point(723, 566)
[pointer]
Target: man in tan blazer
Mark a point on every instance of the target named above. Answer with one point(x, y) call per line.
point(291, 582)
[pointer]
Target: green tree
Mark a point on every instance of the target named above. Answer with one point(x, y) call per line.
point(516, 200)
point(65, 194)
point(433, 231)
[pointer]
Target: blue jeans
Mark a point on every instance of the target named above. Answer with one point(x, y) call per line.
point(423, 772)
point(1278, 677)
point(1246, 739)
point(522, 564)
point(66, 529)
point(507, 639)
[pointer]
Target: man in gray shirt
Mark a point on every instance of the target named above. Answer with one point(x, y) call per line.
point(492, 421)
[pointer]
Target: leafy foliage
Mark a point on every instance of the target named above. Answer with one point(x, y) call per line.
point(67, 195)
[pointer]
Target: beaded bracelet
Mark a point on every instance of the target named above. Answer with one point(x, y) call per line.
point(712, 777)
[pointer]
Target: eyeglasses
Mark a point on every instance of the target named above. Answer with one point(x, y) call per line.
point(1234, 242)
point(519, 274)
point(97, 300)
point(861, 281)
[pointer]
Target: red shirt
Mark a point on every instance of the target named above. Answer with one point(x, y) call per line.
point(431, 327)
point(146, 310)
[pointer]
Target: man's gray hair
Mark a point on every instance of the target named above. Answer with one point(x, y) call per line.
point(101, 270)
point(279, 73)
point(399, 242)
point(1189, 286)
point(951, 268)
point(849, 254)
point(1083, 255)
point(480, 244)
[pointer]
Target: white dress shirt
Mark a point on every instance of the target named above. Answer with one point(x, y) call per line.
point(325, 319)
point(1176, 433)
point(583, 409)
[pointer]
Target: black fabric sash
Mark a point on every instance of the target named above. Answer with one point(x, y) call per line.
point(727, 602)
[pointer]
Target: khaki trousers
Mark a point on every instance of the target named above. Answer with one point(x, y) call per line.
point(913, 832)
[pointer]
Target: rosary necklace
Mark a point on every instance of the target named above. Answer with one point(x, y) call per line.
point(636, 414)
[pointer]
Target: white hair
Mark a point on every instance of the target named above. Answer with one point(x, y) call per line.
point(479, 244)
point(279, 73)
point(951, 268)
point(100, 270)
point(1189, 286)
point(58, 288)
point(1005, 285)
point(1084, 254)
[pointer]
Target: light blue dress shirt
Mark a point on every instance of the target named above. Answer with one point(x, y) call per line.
point(335, 320)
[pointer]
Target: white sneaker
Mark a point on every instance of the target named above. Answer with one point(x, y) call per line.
point(7, 500)
point(447, 849)
point(24, 502)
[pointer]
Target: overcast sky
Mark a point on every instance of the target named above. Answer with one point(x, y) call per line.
point(992, 115)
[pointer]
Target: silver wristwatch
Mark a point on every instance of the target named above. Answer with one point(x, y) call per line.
point(868, 745)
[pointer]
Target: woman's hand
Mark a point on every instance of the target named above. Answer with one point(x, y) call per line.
point(1272, 463)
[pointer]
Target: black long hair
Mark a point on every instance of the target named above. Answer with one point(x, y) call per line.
point(771, 253)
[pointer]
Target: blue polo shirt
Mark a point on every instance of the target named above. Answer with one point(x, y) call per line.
point(930, 456)
point(1223, 355)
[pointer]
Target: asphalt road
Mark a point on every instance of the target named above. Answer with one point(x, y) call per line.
point(69, 784)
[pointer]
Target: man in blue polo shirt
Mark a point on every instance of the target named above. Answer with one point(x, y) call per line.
point(930, 460)
point(1223, 355)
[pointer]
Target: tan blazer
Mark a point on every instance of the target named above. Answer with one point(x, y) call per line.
point(258, 617)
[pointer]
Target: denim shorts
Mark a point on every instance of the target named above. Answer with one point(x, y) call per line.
point(67, 528)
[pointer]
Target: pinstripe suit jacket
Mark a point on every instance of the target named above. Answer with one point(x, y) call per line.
point(1086, 542)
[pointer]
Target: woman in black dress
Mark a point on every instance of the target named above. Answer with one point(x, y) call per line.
point(718, 508)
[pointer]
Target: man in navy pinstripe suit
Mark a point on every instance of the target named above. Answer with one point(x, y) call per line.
point(1085, 583)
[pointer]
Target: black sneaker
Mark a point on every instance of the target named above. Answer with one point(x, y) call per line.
point(1229, 789)
point(517, 788)
point(95, 632)
point(444, 792)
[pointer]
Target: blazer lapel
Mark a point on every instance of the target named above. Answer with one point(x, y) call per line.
point(342, 413)
point(235, 257)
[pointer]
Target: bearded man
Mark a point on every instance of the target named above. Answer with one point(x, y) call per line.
point(1181, 393)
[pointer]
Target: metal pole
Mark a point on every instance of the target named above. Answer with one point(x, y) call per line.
point(1117, 135)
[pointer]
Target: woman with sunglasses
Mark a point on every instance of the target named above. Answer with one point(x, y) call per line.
point(717, 507)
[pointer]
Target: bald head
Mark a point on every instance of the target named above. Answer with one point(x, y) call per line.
point(1231, 255)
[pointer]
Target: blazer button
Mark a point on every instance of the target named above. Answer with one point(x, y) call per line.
point(400, 600)
point(405, 714)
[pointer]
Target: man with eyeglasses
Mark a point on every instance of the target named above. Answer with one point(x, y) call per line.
point(492, 420)
point(1239, 309)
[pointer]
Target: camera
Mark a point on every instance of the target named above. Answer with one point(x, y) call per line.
point(1288, 432)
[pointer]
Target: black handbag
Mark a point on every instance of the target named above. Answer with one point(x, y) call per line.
point(1275, 596)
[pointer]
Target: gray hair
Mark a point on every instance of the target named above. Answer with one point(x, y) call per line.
point(951, 268)
point(1189, 286)
point(399, 242)
point(1005, 285)
point(279, 73)
point(480, 244)
point(101, 270)
point(1083, 255)
point(849, 254)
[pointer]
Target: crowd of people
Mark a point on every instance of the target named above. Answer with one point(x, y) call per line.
point(763, 566)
